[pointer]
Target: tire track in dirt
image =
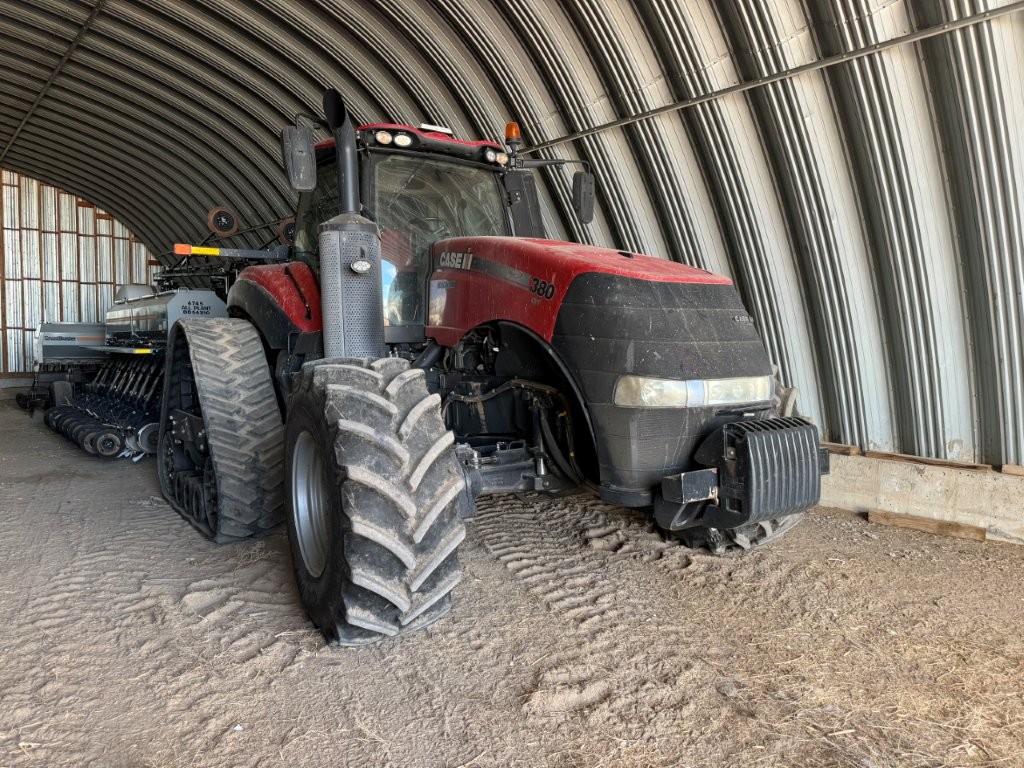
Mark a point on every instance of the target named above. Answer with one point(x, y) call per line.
point(239, 605)
point(612, 579)
point(119, 586)
point(562, 549)
point(577, 557)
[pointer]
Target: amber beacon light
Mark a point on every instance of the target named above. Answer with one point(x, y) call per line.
point(512, 133)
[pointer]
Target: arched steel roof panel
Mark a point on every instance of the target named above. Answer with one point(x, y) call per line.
point(856, 167)
point(883, 106)
point(804, 144)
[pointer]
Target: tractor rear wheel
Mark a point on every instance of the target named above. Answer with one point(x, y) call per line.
point(375, 499)
point(220, 456)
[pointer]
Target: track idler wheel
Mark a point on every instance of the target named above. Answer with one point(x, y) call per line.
point(148, 437)
point(81, 427)
point(89, 442)
point(51, 416)
point(61, 415)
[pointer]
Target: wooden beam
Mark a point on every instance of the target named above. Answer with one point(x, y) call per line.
point(930, 462)
point(841, 448)
point(927, 525)
point(1012, 469)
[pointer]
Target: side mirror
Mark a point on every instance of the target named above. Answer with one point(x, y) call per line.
point(583, 196)
point(299, 157)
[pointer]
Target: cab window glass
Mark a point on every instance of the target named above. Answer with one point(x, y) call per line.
point(416, 202)
point(315, 207)
point(433, 199)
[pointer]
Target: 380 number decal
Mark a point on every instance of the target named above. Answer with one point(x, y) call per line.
point(542, 288)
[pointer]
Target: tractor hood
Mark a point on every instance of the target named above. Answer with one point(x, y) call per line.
point(524, 280)
point(565, 261)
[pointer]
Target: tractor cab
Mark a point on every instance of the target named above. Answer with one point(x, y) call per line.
point(419, 186)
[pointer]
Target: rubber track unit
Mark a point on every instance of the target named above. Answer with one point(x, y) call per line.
point(396, 499)
point(244, 433)
point(720, 541)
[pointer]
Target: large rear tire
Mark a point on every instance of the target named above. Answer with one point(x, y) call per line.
point(228, 480)
point(375, 499)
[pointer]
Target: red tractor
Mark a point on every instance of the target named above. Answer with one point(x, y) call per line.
point(424, 345)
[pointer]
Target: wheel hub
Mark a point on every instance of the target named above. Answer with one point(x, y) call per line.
point(309, 504)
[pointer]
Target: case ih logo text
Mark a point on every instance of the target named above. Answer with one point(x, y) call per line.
point(454, 260)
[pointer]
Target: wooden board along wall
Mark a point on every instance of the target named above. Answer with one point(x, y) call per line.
point(926, 496)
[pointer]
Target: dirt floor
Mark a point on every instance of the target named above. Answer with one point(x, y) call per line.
point(579, 638)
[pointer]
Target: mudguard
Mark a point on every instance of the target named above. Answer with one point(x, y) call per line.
point(280, 299)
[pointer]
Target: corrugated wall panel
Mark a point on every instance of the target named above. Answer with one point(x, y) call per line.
point(804, 144)
point(883, 107)
point(60, 258)
point(511, 74)
point(739, 182)
point(14, 349)
point(981, 113)
point(122, 261)
point(49, 243)
point(141, 271)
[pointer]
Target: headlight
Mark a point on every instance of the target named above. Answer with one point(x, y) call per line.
point(403, 140)
point(383, 137)
point(734, 391)
point(644, 392)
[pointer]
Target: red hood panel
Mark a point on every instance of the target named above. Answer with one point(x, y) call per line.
point(572, 259)
point(523, 280)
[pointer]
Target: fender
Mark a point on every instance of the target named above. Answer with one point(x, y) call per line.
point(551, 356)
point(476, 280)
point(280, 299)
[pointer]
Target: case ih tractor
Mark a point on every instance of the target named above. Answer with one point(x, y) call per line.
point(425, 345)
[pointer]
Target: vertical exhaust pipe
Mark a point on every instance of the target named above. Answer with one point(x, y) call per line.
point(345, 147)
point(350, 278)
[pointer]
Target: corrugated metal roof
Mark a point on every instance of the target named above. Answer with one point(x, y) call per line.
point(856, 166)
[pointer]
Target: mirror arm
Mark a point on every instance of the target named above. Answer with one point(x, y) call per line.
point(544, 163)
point(539, 163)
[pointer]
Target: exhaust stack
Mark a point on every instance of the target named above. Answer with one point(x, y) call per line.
point(345, 146)
point(350, 279)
